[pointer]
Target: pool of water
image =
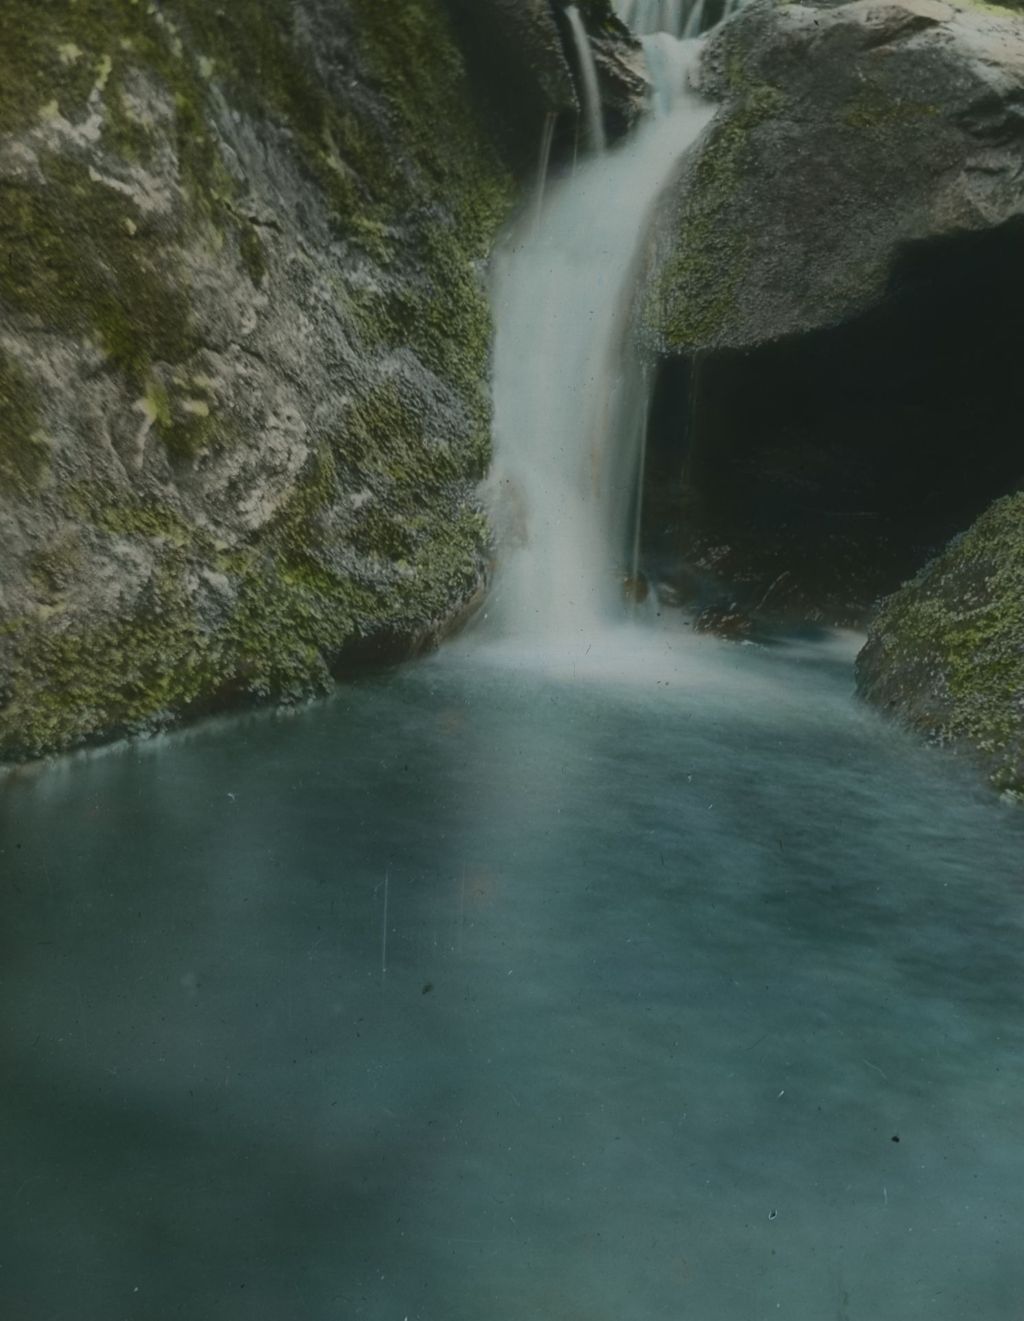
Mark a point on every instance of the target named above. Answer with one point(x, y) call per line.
point(651, 980)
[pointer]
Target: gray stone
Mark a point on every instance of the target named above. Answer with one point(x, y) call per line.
point(846, 132)
point(244, 350)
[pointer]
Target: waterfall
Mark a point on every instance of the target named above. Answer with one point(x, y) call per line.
point(569, 402)
point(588, 78)
point(544, 163)
point(646, 17)
point(695, 20)
point(679, 18)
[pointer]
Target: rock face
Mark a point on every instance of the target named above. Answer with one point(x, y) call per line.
point(847, 132)
point(946, 652)
point(618, 60)
point(516, 50)
point(834, 296)
point(243, 351)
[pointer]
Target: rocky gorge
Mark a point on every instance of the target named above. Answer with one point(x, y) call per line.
point(572, 450)
point(244, 383)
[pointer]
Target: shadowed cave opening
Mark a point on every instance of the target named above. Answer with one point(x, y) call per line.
point(822, 470)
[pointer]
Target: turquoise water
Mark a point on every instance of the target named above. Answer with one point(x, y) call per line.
point(678, 941)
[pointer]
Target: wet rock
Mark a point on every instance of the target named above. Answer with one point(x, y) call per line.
point(618, 58)
point(833, 296)
point(725, 621)
point(518, 58)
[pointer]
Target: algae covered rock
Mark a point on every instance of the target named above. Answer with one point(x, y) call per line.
point(946, 652)
point(244, 347)
point(846, 132)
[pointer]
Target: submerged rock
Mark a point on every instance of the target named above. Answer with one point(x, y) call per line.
point(244, 348)
point(635, 589)
point(946, 652)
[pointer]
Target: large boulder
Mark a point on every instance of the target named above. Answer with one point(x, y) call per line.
point(847, 132)
point(834, 295)
point(946, 652)
point(244, 345)
point(524, 58)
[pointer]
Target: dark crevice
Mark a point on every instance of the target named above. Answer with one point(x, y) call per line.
point(847, 456)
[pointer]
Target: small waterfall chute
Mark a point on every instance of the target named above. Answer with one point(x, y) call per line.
point(695, 20)
point(678, 18)
point(544, 162)
point(569, 397)
point(589, 86)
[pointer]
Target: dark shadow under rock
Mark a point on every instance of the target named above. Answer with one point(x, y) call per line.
point(814, 474)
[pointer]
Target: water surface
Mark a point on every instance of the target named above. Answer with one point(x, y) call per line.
point(678, 941)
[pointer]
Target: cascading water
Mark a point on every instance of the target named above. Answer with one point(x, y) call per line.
point(588, 80)
point(680, 18)
point(568, 407)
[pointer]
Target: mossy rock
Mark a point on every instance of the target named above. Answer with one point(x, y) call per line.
point(845, 132)
point(243, 387)
point(24, 452)
point(946, 652)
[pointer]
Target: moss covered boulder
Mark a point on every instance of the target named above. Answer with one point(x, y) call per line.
point(244, 347)
point(846, 132)
point(834, 299)
point(946, 652)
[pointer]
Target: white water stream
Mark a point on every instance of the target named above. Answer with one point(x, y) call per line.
point(679, 18)
point(569, 408)
point(588, 79)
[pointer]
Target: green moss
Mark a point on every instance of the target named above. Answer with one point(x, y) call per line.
point(54, 567)
point(124, 513)
point(24, 452)
point(291, 610)
point(41, 62)
point(76, 255)
point(947, 650)
point(445, 318)
point(79, 257)
point(695, 291)
point(60, 691)
point(75, 252)
point(875, 109)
